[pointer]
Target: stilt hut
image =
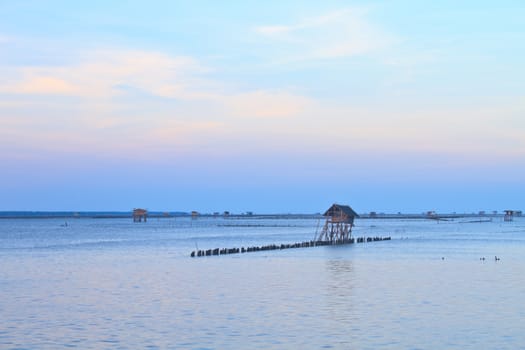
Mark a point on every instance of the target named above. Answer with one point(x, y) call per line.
point(509, 215)
point(139, 215)
point(339, 223)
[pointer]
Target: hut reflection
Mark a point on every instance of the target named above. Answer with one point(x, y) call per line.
point(340, 282)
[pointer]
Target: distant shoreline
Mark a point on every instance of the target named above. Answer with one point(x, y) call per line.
point(159, 215)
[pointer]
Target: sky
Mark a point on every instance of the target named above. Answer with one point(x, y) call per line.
point(263, 106)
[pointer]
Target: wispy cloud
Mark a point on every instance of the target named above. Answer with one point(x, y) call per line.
point(42, 84)
point(103, 101)
point(103, 73)
point(342, 33)
point(264, 103)
point(108, 74)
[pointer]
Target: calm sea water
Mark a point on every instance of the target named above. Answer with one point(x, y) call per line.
point(113, 284)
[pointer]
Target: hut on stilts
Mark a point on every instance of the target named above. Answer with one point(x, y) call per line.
point(509, 215)
point(339, 223)
point(140, 214)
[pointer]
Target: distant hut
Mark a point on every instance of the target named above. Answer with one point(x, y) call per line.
point(339, 223)
point(431, 214)
point(139, 215)
point(194, 214)
point(509, 215)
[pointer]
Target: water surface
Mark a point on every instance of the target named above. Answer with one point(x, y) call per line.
point(115, 284)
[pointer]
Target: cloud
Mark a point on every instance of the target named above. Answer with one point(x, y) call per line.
point(102, 73)
point(125, 101)
point(274, 30)
point(263, 103)
point(43, 85)
point(139, 102)
point(108, 74)
point(343, 33)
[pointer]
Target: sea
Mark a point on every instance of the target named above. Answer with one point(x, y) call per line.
point(110, 283)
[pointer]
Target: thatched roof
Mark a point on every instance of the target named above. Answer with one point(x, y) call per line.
point(337, 209)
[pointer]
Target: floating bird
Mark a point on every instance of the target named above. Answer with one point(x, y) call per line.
point(483, 258)
point(496, 258)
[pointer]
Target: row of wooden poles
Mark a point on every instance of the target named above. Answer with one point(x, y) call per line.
point(308, 244)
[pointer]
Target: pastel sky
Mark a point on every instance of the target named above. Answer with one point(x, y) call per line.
point(264, 106)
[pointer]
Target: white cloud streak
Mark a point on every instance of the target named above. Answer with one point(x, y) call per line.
point(343, 33)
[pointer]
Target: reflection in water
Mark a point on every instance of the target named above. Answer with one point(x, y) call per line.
point(340, 277)
point(339, 297)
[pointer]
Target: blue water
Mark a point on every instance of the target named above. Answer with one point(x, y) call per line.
point(115, 284)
